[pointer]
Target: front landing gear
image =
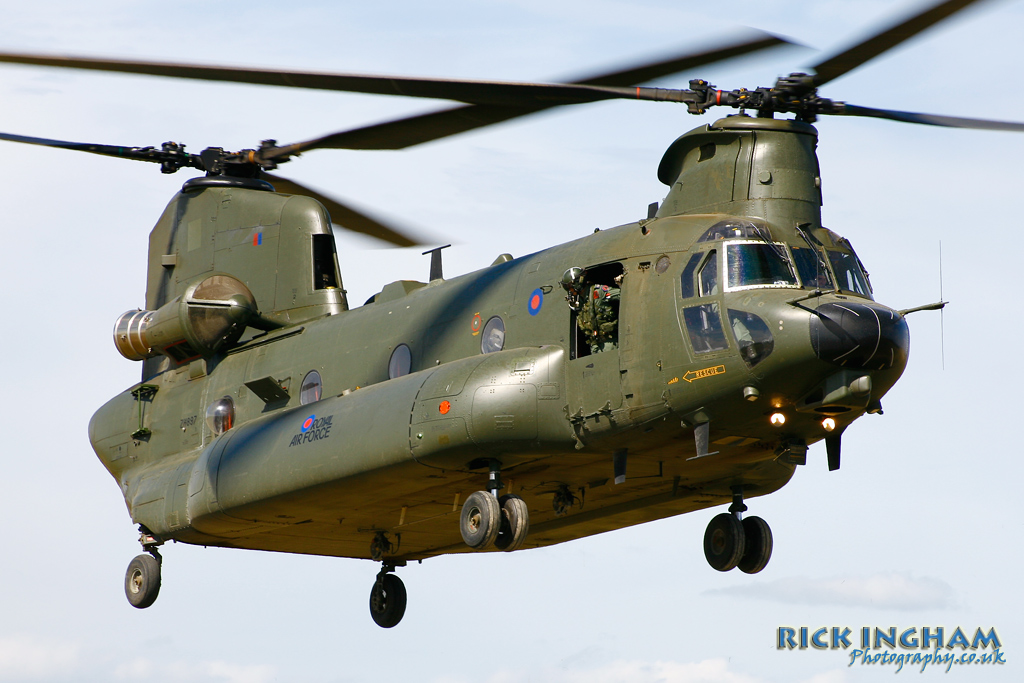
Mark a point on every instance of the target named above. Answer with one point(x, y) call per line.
point(488, 520)
point(387, 598)
point(731, 541)
point(142, 580)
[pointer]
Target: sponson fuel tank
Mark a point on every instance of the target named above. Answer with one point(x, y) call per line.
point(479, 407)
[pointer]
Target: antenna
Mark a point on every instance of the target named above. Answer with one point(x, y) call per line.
point(942, 314)
point(435, 262)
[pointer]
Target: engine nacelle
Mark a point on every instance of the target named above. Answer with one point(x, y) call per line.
point(211, 315)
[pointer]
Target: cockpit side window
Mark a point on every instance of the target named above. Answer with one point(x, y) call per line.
point(708, 280)
point(849, 276)
point(704, 325)
point(756, 264)
point(687, 278)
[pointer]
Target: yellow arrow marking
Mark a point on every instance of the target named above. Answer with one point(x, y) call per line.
point(692, 375)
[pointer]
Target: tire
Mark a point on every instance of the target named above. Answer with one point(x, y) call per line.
point(142, 581)
point(480, 520)
point(757, 545)
point(515, 523)
point(723, 542)
point(387, 601)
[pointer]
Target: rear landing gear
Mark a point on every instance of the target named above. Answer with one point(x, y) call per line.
point(142, 580)
point(387, 598)
point(731, 541)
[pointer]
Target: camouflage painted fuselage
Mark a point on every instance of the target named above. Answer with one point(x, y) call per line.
point(399, 455)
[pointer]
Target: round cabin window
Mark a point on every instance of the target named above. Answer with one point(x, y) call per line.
point(493, 337)
point(220, 415)
point(401, 361)
point(312, 388)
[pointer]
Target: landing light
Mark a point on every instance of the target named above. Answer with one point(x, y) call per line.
point(778, 419)
point(828, 424)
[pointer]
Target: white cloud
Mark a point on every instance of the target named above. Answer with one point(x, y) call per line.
point(212, 672)
point(707, 671)
point(835, 676)
point(891, 590)
point(25, 658)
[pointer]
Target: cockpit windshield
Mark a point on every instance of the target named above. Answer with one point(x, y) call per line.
point(812, 269)
point(757, 264)
point(849, 275)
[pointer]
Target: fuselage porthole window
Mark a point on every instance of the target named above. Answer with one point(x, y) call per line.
point(312, 388)
point(220, 415)
point(401, 362)
point(493, 337)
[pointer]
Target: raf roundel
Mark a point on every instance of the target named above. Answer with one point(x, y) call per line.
point(536, 301)
point(308, 423)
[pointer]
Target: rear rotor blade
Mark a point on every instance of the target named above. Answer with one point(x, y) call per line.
point(151, 154)
point(343, 215)
point(409, 131)
point(868, 49)
point(929, 119)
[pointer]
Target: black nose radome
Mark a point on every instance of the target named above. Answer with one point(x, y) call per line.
point(857, 335)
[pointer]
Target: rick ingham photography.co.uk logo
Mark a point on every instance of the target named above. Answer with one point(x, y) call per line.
point(917, 647)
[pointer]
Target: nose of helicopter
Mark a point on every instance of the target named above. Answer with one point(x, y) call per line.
point(858, 335)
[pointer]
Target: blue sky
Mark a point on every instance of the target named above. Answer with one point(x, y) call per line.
point(918, 528)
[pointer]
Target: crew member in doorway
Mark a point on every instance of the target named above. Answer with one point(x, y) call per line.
point(599, 319)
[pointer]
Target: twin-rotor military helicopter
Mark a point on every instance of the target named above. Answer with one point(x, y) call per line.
point(681, 362)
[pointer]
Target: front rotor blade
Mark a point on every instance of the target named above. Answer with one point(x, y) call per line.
point(648, 72)
point(847, 61)
point(930, 119)
point(344, 216)
point(422, 128)
point(470, 92)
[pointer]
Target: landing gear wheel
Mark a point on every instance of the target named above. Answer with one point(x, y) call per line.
point(142, 581)
point(387, 601)
point(723, 542)
point(757, 545)
point(515, 523)
point(480, 521)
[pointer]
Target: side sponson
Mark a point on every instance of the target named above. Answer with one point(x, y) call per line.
point(328, 454)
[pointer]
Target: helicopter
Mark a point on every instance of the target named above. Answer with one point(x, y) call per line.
point(714, 384)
